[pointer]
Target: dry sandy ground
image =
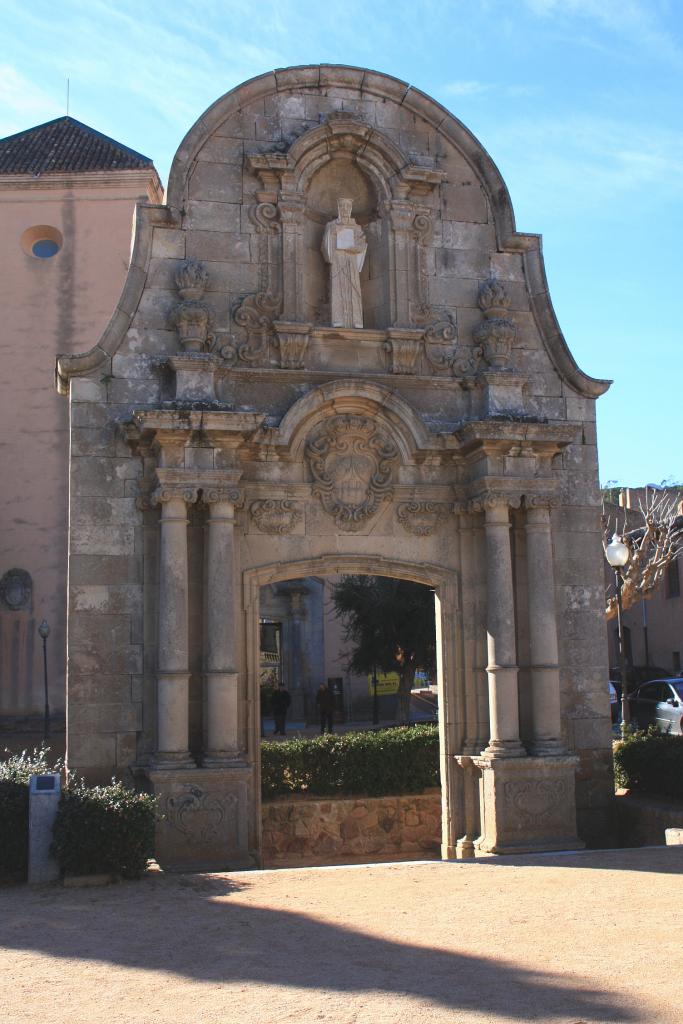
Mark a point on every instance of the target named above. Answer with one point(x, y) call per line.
point(567, 939)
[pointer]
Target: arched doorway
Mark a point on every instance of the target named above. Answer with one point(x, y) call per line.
point(449, 675)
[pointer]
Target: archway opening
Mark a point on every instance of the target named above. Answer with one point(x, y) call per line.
point(349, 705)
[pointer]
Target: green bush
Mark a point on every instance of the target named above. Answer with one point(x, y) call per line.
point(391, 761)
point(104, 830)
point(651, 762)
point(15, 773)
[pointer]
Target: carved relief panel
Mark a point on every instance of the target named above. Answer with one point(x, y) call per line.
point(352, 462)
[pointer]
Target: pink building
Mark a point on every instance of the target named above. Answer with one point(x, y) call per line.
point(67, 198)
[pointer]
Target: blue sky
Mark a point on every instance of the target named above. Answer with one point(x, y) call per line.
point(578, 102)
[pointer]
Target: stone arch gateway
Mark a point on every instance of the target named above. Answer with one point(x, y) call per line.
point(224, 434)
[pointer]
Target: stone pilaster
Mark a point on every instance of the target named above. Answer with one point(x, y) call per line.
point(220, 678)
point(173, 670)
point(545, 672)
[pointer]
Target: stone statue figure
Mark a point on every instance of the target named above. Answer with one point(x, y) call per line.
point(344, 248)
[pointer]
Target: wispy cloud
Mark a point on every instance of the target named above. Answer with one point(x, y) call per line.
point(634, 20)
point(467, 88)
point(586, 162)
point(22, 102)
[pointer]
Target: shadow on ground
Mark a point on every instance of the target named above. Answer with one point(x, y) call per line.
point(195, 927)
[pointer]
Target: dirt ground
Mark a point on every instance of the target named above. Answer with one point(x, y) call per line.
point(568, 939)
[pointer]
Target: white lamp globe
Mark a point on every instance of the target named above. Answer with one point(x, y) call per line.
point(617, 552)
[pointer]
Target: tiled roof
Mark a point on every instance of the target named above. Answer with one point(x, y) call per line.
point(65, 145)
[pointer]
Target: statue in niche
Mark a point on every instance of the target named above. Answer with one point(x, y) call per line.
point(344, 248)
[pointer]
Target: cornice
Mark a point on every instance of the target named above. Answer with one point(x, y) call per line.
point(134, 177)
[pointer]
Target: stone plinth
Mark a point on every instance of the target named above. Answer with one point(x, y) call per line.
point(527, 804)
point(195, 376)
point(203, 822)
point(302, 831)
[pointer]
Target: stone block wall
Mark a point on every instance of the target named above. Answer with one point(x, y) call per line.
point(303, 831)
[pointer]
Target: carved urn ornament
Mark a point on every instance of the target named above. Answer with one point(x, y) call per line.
point(497, 333)
point(192, 318)
point(351, 461)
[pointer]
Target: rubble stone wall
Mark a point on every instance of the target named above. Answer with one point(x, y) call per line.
point(300, 831)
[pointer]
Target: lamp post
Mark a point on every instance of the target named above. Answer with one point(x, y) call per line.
point(44, 632)
point(617, 554)
point(375, 703)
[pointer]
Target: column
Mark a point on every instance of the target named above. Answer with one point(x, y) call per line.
point(500, 626)
point(220, 678)
point(545, 672)
point(291, 207)
point(172, 642)
point(401, 215)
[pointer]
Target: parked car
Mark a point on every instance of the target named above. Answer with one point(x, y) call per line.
point(659, 703)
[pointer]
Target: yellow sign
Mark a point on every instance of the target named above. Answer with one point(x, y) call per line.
point(387, 683)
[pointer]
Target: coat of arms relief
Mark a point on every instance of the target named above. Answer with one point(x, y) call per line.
point(352, 461)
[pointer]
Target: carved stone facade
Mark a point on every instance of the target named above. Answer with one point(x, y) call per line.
point(450, 440)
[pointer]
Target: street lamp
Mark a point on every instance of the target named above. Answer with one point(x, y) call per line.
point(617, 554)
point(44, 632)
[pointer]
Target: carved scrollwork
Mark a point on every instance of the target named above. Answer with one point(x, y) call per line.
point(536, 801)
point(255, 315)
point(421, 518)
point(351, 461)
point(16, 590)
point(199, 816)
point(275, 516)
point(265, 217)
point(422, 227)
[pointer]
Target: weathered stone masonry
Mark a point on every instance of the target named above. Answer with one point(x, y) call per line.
point(450, 440)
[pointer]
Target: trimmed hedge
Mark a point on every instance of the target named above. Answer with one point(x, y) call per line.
point(15, 773)
point(104, 830)
point(384, 763)
point(651, 762)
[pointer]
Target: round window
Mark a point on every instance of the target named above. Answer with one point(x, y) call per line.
point(44, 248)
point(42, 241)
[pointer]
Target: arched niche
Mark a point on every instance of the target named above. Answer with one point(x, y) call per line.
point(342, 176)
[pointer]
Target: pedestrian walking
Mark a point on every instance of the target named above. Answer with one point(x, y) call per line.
point(280, 702)
point(324, 700)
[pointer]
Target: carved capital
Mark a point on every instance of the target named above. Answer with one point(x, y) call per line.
point(351, 461)
point(421, 518)
point(545, 501)
point(275, 516)
point(172, 492)
point(213, 495)
point(487, 501)
point(292, 342)
point(403, 348)
point(400, 212)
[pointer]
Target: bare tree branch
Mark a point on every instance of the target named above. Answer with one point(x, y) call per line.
point(654, 545)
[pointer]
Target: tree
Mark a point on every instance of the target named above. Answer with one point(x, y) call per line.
point(654, 536)
point(390, 626)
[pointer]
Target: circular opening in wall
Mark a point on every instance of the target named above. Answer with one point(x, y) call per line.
point(42, 241)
